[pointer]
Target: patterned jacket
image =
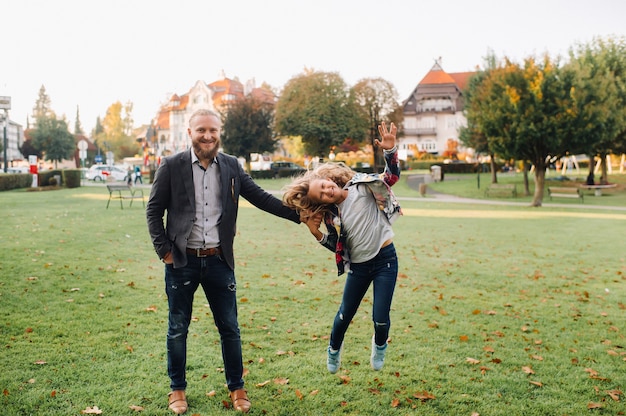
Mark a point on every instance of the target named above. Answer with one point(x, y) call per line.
point(380, 186)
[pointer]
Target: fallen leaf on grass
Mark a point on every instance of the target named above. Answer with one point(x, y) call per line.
point(281, 381)
point(536, 383)
point(528, 370)
point(211, 393)
point(265, 383)
point(92, 411)
point(40, 362)
point(151, 308)
point(298, 394)
point(314, 392)
point(424, 395)
point(344, 379)
point(472, 360)
point(614, 394)
point(395, 403)
point(593, 405)
point(136, 408)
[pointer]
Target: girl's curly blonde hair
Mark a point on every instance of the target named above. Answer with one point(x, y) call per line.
point(295, 194)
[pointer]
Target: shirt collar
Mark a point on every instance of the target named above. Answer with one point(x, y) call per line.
point(194, 158)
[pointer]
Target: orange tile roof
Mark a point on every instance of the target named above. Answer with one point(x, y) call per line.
point(437, 76)
point(462, 78)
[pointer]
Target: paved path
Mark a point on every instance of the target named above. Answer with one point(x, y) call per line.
point(433, 196)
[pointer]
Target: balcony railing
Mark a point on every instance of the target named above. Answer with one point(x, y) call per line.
point(422, 131)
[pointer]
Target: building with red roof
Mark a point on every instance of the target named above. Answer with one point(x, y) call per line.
point(433, 113)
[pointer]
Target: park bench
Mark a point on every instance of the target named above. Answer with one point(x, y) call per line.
point(122, 192)
point(501, 189)
point(597, 189)
point(565, 192)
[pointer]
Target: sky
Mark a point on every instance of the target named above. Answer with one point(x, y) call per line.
point(91, 54)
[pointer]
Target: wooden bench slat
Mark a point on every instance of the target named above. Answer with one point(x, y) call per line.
point(508, 188)
point(565, 192)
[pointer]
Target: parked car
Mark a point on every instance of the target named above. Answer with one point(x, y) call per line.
point(100, 173)
point(284, 169)
point(18, 169)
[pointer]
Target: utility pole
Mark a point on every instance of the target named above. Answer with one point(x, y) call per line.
point(5, 104)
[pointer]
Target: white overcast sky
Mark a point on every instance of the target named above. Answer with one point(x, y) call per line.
point(91, 53)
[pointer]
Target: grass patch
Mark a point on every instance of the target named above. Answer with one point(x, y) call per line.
point(498, 310)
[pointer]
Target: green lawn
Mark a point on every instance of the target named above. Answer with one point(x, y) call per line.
point(499, 310)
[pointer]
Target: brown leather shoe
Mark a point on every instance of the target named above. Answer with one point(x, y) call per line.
point(177, 401)
point(240, 400)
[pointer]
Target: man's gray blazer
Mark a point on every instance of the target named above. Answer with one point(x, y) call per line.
point(173, 191)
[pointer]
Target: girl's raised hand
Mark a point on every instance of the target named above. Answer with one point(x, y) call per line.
point(387, 137)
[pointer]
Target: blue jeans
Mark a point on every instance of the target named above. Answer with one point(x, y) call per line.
point(220, 289)
point(382, 270)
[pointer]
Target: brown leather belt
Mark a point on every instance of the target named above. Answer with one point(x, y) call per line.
point(204, 252)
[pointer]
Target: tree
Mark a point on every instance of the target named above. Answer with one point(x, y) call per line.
point(114, 135)
point(52, 138)
point(248, 127)
point(28, 149)
point(78, 129)
point(42, 105)
point(526, 113)
point(319, 107)
point(378, 101)
point(600, 99)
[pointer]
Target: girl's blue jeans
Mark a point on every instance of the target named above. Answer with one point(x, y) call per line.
point(382, 270)
point(218, 282)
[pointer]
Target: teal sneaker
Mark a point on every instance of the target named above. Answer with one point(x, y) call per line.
point(333, 362)
point(378, 355)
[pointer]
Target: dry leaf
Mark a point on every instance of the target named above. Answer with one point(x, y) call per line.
point(265, 383)
point(463, 338)
point(395, 403)
point(344, 379)
point(298, 394)
point(423, 395)
point(92, 411)
point(472, 360)
point(314, 392)
point(281, 380)
point(211, 393)
point(592, 405)
point(537, 383)
point(614, 394)
point(136, 408)
point(528, 370)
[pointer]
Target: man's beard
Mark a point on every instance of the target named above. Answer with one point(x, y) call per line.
point(205, 154)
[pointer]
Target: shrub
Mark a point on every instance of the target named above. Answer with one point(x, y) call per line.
point(71, 178)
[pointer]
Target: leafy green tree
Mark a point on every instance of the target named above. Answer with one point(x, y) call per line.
point(377, 100)
point(600, 99)
point(526, 113)
point(28, 149)
point(52, 138)
point(248, 127)
point(114, 135)
point(319, 107)
point(42, 105)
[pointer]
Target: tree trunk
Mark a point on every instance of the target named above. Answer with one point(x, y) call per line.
point(592, 165)
point(526, 167)
point(604, 179)
point(492, 164)
point(540, 179)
